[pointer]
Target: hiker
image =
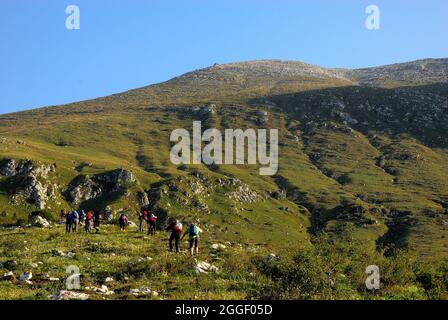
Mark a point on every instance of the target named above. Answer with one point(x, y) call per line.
point(175, 226)
point(82, 217)
point(123, 221)
point(152, 219)
point(74, 220)
point(67, 221)
point(96, 220)
point(193, 232)
point(89, 221)
point(142, 216)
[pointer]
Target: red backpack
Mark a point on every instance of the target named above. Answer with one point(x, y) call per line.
point(177, 227)
point(89, 215)
point(152, 217)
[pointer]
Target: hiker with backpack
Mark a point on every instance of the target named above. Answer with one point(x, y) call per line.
point(175, 226)
point(143, 217)
point(123, 221)
point(74, 220)
point(82, 217)
point(193, 232)
point(152, 219)
point(96, 220)
point(89, 221)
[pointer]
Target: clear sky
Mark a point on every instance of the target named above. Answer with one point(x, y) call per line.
point(125, 44)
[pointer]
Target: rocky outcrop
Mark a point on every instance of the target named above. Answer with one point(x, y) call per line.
point(142, 198)
point(116, 180)
point(243, 194)
point(8, 168)
point(29, 181)
point(84, 188)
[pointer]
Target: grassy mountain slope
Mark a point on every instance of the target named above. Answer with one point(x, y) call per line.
point(362, 152)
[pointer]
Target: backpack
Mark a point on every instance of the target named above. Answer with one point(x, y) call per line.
point(152, 217)
point(177, 227)
point(74, 215)
point(89, 215)
point(194, 230)
point(145, 215)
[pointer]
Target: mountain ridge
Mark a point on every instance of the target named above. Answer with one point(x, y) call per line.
point(272, 71)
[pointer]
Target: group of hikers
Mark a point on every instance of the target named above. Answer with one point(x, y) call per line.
point(73, 219)
point(92, 218)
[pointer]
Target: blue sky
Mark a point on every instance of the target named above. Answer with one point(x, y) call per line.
point(125, 44)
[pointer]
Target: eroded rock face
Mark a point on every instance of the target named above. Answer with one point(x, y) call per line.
point(28, 179)
point(143, 200)
point(85, 188)
point(117, 179)
point(8, 168)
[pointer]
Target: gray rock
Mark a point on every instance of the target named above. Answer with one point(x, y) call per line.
point(8, 276)
point(26, 276)
point(143, 291)
point(8, 168)
point(205, 267)
point(38, 221)
point(70, 295)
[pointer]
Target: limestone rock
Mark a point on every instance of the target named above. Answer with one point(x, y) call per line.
point(70, 295)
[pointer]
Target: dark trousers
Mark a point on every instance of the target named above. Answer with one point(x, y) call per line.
point(174, 237)
point(151, 227)
point(68, 225)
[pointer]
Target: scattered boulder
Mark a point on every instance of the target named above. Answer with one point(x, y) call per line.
point(144, 259)
point(109, 279)
point(38, 221)
point(218, 247)
point(70, 295)
point(26, 276)
point(8, 276)
point(103, 290)
point(205, 267)
point(59, 253)
point(143, 291)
